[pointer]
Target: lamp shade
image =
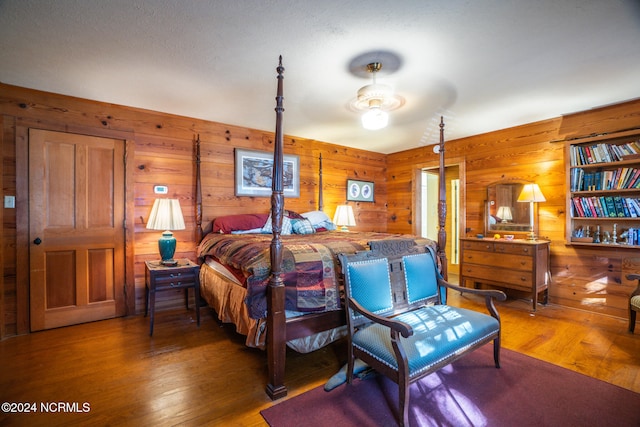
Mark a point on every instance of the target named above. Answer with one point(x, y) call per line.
point(166, 215)
point(344, 217)
point(531, 193)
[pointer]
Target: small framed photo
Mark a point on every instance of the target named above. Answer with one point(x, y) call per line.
point(254, 173)
point(359, 191)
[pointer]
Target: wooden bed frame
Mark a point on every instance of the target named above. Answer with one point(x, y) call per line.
point(279, 328)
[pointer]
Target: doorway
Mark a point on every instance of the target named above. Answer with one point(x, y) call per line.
point(76, 228)
point(428, 209)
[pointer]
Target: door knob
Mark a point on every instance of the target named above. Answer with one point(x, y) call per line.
point(37, 241)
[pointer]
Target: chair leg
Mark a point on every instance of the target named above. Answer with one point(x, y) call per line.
point(403, 391)
point(496, 352)
point(350, 364)
point(632, 319)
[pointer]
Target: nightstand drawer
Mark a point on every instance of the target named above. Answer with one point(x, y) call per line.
point(175, 279)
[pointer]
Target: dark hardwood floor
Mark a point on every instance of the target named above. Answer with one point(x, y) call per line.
point(185, 375)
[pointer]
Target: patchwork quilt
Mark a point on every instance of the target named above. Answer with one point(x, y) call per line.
point(310, 269)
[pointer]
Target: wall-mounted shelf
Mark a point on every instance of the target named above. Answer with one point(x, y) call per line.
point(603, 187)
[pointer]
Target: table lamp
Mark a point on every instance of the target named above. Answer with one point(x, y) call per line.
point(344, 217)
point(166, 215)
point(531, 193)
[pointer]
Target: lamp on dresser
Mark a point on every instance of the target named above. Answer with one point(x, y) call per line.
point(531, 193)
point(166, 215)
point(344, 217)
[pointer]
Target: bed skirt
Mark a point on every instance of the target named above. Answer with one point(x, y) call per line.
point(227, 298)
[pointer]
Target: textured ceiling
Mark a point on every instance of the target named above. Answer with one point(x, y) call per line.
point(484, 65)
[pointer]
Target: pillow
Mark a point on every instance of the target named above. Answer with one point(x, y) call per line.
point(316, 217)
point(230, 223)
point(325, 226)
point(292, 215)
point(286, 226)
point(302, 226)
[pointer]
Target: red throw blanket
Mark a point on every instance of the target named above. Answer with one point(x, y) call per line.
point(309, 265)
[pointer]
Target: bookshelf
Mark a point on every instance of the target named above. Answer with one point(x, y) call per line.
point(603, 183)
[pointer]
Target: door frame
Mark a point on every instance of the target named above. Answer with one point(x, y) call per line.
point(22, 212)
point(416, 201)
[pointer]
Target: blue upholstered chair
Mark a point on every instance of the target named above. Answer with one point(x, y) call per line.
point(634, 302)
point(399, 323)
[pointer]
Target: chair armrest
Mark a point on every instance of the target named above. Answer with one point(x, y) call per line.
point(634, 277)
point(492, 293)
point(403, 328)
point(488, 294)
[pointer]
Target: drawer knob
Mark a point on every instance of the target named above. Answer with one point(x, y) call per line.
point(173, 285)
point(523, 279)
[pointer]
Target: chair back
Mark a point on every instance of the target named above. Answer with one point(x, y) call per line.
point(368, 282)
point(393, 277)
point(421, 279)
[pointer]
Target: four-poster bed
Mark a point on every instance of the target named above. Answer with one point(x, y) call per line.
point(272, 274)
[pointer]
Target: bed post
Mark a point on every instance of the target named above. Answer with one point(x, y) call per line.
point(276, 327)
point(442, 206)
point(320, 202)
point(198, 193)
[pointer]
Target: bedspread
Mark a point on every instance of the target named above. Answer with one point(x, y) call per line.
point(309, 265)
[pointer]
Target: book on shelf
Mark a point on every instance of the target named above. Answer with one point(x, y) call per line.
point(603, 153)
point(605, 207)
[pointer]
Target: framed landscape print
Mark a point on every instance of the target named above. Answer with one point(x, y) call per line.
point(254, 171)
point(359, 191)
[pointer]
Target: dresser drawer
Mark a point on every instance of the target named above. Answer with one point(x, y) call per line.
point(515, 262)
point(522, 280)
point(485, 246)
point(514, 249)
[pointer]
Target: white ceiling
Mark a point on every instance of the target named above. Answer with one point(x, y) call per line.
point(484, 64)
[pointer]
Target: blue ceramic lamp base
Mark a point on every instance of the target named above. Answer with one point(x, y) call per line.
point(167, 246)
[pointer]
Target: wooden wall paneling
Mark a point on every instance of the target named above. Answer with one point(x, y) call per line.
point(161, 152)
point(164, 143)
point(528, 152)
point(22, 230)
point(8, 285)
point(5, 238)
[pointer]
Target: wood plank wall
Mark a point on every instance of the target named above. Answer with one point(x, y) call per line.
point(163, 153)
point(591, 279)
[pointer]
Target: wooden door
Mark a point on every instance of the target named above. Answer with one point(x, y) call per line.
point(76, 228)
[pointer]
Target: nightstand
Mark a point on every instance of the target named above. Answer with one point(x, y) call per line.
point(159, 278)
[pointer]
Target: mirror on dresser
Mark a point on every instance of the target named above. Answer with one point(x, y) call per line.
point(503, 214)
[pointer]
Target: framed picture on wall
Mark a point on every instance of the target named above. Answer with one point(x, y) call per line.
point(254, 172)
point(359, 191)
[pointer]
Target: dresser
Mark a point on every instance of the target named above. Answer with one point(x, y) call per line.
point(514, 264)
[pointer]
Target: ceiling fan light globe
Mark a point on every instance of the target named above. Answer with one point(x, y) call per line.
point(375, 119)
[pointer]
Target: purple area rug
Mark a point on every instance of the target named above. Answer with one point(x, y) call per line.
point(470, 392)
